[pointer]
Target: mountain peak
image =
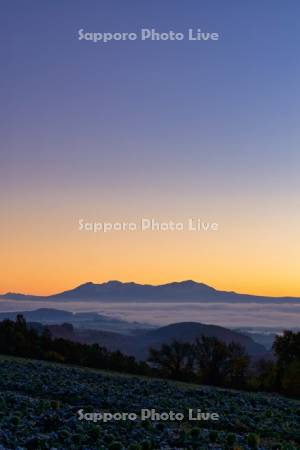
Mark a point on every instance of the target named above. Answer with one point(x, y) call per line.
point(87, 284)
point(189, 283)
point(113, 283)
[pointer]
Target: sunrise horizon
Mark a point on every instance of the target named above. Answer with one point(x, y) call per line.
point(136, 149)
point(155, 283)
point(150, 218)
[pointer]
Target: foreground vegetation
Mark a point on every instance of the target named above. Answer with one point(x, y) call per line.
point(19, 339)
point(39, 403)
point(211, 361)
point(205, 361)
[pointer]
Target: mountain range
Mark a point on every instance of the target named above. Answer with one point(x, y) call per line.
point(184, 291)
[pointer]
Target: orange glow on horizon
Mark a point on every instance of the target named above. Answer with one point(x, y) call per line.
point(42, 251)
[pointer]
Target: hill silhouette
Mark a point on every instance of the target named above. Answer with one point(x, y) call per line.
point(138, 346)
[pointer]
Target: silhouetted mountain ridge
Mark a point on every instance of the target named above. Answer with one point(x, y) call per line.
point(182, 291)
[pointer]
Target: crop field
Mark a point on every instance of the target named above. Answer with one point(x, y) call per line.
point(39, 404)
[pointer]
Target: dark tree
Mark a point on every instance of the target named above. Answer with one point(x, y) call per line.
point(237, 365)
point(287, 350)
point(173, 360)
point(221, 364)
point(211, 357)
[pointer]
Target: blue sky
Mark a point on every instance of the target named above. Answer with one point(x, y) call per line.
point(174, 126)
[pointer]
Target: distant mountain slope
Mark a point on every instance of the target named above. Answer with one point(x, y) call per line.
point(138, 346)
point(43, 315)
point(185, 291)
point(190, 331)
point(89, 320)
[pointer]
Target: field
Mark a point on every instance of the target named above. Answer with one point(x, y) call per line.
point(39, 405)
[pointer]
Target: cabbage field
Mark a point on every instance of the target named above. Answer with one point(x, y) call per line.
point(39, 404)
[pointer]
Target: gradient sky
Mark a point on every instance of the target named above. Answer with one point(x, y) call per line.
point(169, 130)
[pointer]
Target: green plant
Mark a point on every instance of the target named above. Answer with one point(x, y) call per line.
point(213, 436)
point(116, 445)
point(253, 440)
point(230, 439)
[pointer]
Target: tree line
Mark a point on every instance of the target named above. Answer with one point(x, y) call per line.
point(206, 361)
point(17, 338)
point(211, 361)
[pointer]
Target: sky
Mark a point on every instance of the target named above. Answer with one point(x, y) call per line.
point(169, 130)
